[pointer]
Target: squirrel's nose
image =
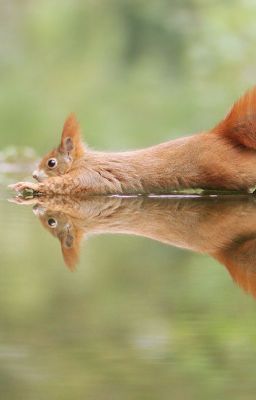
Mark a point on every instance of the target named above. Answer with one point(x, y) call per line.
point(35, 175)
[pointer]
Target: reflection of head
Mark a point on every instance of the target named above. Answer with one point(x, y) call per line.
point(224, 229)
point(61, 226)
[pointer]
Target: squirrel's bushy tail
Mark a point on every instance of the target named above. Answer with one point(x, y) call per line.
point(240, 123)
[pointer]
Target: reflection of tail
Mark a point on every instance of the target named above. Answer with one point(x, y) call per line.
point(240, 260)
point(240, 124)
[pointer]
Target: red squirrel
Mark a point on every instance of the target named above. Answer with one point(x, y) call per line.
point(224, 228)
point(221, 158)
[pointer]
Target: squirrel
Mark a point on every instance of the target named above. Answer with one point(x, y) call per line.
point(222, 227)
point(221, 158)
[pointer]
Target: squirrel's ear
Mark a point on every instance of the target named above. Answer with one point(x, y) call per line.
point(240, 123)
point(71, 142)
point(70, 246)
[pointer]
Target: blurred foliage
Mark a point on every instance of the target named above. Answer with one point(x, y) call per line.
point(135, 71)
point(139, 320)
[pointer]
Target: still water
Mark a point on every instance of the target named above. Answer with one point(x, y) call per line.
point(127, 298)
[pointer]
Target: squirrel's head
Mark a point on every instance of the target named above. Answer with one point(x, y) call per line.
point(60, 160)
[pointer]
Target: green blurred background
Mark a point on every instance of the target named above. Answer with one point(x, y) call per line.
point(138, 320)
point(135, 72)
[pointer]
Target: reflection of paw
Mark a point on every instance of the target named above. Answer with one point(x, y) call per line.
point(20, 200)
point(25, 188)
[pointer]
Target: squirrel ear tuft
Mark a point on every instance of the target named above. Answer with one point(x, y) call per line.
point(70, 246)
point(240, 123)
point(71, 141)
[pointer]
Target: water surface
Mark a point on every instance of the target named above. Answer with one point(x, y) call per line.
point(151, 309)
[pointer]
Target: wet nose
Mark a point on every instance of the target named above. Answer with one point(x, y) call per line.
point(35, 175)
point(38, 210)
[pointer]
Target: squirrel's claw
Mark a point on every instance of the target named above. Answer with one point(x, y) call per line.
point(19, 186)
point(25, 188)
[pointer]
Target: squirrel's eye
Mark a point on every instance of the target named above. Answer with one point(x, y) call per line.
point(52, 163)
point(52, 222)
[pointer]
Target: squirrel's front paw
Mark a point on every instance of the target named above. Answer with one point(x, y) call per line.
point(26, 189)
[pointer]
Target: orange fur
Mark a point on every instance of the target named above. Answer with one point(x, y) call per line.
point(223, 158)
point(240, 124)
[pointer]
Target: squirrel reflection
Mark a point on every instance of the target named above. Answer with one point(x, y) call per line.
point(224, 229)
